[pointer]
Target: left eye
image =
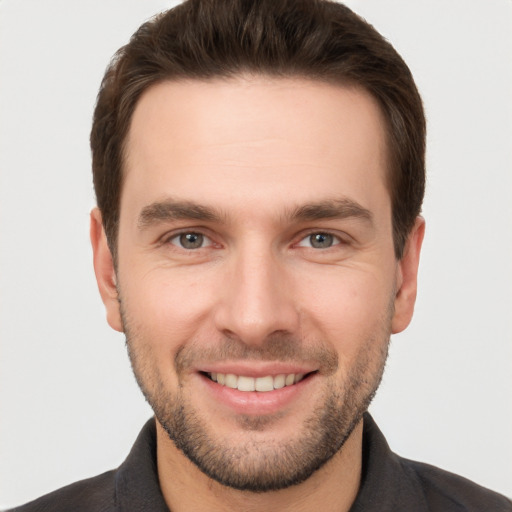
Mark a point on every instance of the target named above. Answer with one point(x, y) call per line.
point(319, 240)
point(190, 240)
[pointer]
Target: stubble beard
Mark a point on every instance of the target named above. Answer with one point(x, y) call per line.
point(260, 466)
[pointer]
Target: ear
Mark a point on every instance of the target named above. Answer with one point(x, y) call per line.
point(105, 271)
point(407, 278)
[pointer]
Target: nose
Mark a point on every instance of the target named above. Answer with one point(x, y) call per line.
point(257, 300)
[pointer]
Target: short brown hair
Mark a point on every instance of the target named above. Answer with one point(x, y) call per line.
point(315, 39)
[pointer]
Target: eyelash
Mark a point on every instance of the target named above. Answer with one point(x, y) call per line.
point(336, 240)
point(177, 236)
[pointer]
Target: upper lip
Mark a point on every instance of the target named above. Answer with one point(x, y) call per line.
point(256, 368)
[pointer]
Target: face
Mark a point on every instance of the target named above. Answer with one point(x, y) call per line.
point(256, 274)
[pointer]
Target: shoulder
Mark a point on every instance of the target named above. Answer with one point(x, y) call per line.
point(93, 494)
point(391, 483)
point(447, 491)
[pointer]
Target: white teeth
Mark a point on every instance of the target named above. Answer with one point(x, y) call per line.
point(262, 384)
point(246, 383)
point(231, 381)
point(290, 379)
point(279, 381)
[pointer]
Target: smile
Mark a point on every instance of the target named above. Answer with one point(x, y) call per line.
point(263, 384)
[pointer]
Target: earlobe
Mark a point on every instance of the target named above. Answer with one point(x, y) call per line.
point(105, 271)
point(407, 278)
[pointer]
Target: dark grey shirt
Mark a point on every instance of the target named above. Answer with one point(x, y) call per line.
point(389, 484)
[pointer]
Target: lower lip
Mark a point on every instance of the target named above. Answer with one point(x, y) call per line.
point(257, 402)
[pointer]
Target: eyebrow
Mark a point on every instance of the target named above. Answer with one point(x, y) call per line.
point(331, 209)
point(170, 209)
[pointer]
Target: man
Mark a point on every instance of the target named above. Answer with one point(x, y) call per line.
point(259, 171)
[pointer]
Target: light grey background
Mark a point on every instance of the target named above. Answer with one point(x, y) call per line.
point(69, 406)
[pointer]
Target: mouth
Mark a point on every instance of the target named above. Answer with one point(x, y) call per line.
point(261, 384)
point(252, 389)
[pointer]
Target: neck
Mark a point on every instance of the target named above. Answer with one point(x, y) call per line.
point(332, 488)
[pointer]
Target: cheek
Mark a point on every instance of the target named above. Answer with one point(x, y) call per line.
point(166, 306)
point(347, 306)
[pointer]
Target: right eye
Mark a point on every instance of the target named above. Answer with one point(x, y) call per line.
point(190, 240)
point(320, 240)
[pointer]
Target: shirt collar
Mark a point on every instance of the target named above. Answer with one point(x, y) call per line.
point(137, 487)
point(386, 484)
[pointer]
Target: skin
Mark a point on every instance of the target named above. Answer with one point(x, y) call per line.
point(262, 162)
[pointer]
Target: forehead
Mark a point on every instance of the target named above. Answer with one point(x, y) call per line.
point(279, 138)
